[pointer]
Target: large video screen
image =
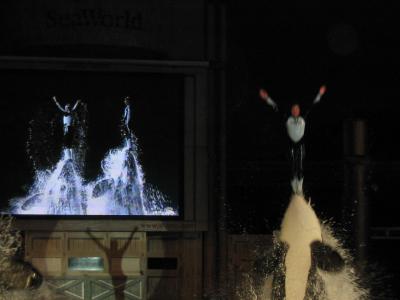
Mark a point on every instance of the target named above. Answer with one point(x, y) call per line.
point(91, 143)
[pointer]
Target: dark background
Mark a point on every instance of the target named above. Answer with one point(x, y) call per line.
point(156, 116)
point(291, 50)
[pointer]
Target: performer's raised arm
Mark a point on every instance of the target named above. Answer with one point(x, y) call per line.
point(264, 96)
point(58, 104)
point(321, 92)
point(76, 104)
point(317, 99)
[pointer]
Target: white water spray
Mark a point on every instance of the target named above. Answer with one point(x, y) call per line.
point(120, 190)
point(330, 276)
point(57, 191)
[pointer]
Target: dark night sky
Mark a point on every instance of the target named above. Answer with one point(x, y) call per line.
point(291, 50)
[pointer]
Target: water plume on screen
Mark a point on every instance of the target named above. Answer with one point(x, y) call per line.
point(59, 186)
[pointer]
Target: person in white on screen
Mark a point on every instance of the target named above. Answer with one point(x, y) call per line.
point(67, 113)
point(126, 118)
point(68, 122)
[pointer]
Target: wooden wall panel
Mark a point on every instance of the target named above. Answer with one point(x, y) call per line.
point(50, 266)
point(243, 250)
point(163, 247)
point(132, 246)
point(85, 246)
point(166, 288)
point(44, 246)
point(191, 271)
point(126, 266)
point(177, 259)
point(187, 279)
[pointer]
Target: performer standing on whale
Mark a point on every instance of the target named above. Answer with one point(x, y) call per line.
point(126, 118)
point(68, 123)
point(67, 112)
point(126, 122)
point(295, 126)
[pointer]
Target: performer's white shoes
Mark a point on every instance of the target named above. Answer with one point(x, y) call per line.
point(297, 185)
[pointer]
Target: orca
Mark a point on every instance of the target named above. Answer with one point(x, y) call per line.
point(31, 201)
point(103, 186)
point(292, 269)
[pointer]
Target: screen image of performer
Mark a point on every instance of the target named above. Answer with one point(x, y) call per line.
point(68, 123)
point(126, 118)
point(295, 126)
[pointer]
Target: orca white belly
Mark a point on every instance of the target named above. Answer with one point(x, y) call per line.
point(297, 265)
point(299, 228)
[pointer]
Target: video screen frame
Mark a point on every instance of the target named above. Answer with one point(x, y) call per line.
point(194, 205)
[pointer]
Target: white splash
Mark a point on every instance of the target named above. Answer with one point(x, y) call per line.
point(342, 284)
point(120, 190)
point(57, 191)
point(345, 285)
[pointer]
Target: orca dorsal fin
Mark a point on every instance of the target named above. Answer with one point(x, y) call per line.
point(326, 258)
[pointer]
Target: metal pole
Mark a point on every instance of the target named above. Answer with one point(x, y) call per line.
point(216, 237)
point(356, 157)
point(221, 222)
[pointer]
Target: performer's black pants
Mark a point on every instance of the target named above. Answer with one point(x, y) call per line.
point(297, 154)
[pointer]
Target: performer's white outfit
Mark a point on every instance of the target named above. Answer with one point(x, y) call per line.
point(67, 124)
point(295, 126)
point(67, 115)
point(127, 116)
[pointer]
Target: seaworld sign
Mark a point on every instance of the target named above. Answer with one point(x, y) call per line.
point(174, 29)
point(95, 18)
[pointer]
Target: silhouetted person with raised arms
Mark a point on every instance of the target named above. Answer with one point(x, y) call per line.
point(119, 279)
